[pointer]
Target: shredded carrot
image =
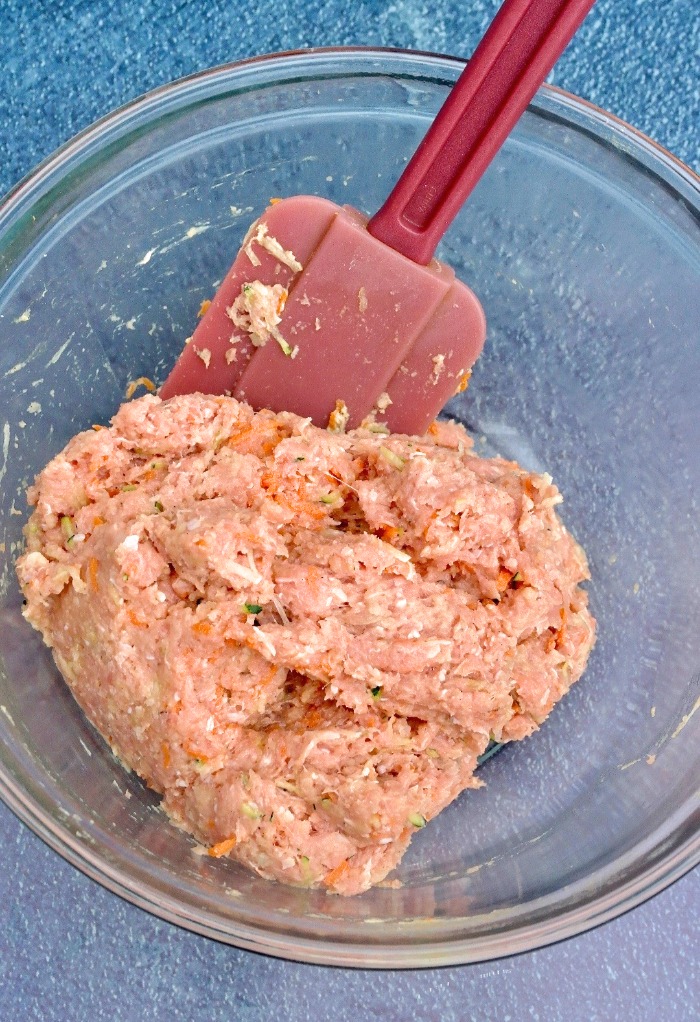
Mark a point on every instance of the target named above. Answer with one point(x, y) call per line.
point(166, 755)
point(202, 627)
point(503, 580)
point(136, 620)
point(240, 435)
point(203, 307)
point(193, 751)
point(222, 847)
point(332, 878)
point(274, 200)
point(388, 532)
point(463, 383)
point(258, 437)
point(434, 515)
point(97, 520)
point(433, 429)
point(312, 719)
point(339, 417)
point(269, 676)
point(301, 504)
point(313, 580)
point(93, 565)
point(133, 386)
point(97, 428)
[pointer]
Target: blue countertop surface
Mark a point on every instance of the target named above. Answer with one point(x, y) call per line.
point(70, 950)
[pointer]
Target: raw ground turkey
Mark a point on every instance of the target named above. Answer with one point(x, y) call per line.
point(303, 640)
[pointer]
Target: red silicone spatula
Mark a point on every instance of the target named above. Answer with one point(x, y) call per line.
point(321, 306)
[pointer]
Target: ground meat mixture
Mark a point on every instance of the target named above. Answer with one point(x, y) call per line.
point(302, 639)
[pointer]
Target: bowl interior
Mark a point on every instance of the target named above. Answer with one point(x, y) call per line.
point(582, 242)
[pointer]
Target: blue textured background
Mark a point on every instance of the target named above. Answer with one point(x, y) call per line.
point(68, 62)
point(68, 949)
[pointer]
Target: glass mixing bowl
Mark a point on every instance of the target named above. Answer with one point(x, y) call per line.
point(582, 242)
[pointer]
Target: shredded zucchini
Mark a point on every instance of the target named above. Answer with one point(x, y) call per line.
point(393, 459)
point(67, 528)
point(250, 810)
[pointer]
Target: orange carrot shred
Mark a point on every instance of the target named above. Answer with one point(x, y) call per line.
point(335, 874)
point(463, 383)
point(143, 381)
point(166, 755)
point(222, 847)
point(312, 719)
point(193, 751)
point(269, 676)
point(93, 565)
point(388, 532)
point(281, 301)
point(203, 307)
point(503, 580)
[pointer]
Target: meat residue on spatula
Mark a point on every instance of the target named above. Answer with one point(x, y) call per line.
point(351, 320)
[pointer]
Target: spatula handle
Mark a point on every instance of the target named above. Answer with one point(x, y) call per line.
point(512, 60)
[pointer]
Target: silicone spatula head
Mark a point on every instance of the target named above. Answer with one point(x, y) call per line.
point(325, 314)
point(343, 322)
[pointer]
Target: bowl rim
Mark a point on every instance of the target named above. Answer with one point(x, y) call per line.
point(141, 103)
point(568, 922)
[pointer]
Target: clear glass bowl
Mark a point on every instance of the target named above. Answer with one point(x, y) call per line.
point(583, 244)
